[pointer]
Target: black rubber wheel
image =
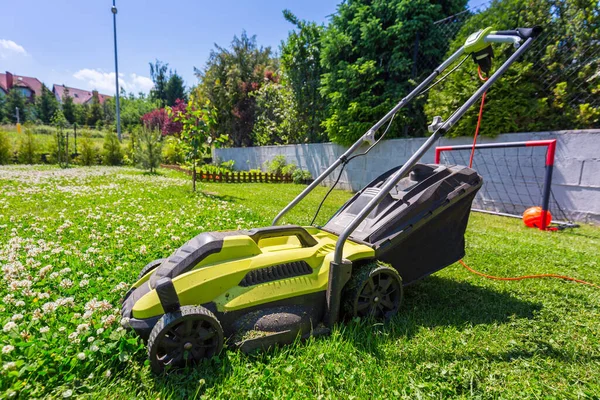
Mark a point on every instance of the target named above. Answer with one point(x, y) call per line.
point(152, 265)
point(374, 291)
point(183, 338)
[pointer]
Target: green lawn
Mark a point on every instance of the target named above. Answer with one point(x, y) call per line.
point(72, 240)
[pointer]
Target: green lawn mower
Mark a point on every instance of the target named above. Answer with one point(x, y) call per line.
point(268, 286)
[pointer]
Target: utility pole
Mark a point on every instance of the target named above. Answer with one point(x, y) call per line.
point(18, 120)
point(114, 12)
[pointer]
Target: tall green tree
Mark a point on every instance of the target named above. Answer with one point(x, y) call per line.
point(68, 107)
point(175, 89)
point(14, 100)
point(228, 80)
point(95, 113)
point(367, 53)
point(46, 105)
point(160, 77)
point(301, 64)
point(276, 119)
point(555, 85)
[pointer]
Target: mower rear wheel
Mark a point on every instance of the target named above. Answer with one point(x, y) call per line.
point(374, 291)
point(183, 338)
point(152, 265)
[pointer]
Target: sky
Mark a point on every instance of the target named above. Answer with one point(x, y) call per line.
point(70, 42)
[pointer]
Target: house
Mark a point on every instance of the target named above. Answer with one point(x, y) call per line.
point(79, 96)
point(28, 86)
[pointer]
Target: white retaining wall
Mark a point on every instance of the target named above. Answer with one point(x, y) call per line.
point(575, 183)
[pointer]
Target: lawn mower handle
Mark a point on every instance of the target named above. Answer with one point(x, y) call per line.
point(305, 238)
point(393, 180)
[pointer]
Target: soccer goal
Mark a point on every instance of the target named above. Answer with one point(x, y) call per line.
point(516, 175)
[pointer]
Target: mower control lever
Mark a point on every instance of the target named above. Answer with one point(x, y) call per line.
point(305, 238)
point(523, 33)
point(436, 124)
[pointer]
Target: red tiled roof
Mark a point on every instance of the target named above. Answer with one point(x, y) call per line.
point(3, 83)
point(21, 81)
point(79, 96)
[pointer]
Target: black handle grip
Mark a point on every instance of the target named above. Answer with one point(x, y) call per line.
point(303, 236)
point(523, 33)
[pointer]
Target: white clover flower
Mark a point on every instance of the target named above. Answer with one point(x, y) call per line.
point(54, 275)
point(83, 327)
point(8, 349)
point(81, 356)
point(94, 348)
point(83, 283)
point(143, 249)
point(67, 393)
point(107, 374)
point(20, 303)
point(66, 283)
point(17, 317)
point(10, 365)
point(99, 331)
point(91, 339)
point(62, 329)
point(44, 329)
point(9, 326)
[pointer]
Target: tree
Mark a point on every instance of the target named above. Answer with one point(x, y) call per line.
point(158, 73)
point(68, 107)
point(15, 100)
point(276, 118)
point(112, 153)
point(62, 138)
point(46, 105)
point(134, 107)
point(88, 153)
point(227, 81)
point(28, 146)
point(95, 113)
point(196, 120)
point(552, 85)
point(301, 64)
point(149, 149)
point(367, 53)
point(3, 114)
point(175, 89)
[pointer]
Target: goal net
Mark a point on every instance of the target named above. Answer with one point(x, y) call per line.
point(516, 176)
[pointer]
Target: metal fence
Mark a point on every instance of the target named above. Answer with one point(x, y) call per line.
point(566, 69)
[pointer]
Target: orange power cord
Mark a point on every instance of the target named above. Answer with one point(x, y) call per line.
point(520, 278)
point(516, 278)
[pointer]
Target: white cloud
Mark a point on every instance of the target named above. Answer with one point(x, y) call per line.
point(8, 48)
point(104, 82)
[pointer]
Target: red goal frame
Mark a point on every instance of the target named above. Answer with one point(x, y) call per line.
point(546, 191)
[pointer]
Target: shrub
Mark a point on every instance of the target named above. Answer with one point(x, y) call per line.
point(28, 148)
point(149, 150)
point(255, 171)
point(112, 153)
point(275, 166)
point(89, 153)
point(300, 175)
point(228, 165)
point(289, 169)
point(173, 151)
point(4, 148)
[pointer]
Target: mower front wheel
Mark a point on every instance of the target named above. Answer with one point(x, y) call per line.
point(151, 266)
point(374, 291)
point(183, 338)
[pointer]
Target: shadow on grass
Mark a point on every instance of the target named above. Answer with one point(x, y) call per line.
point(433, 302)
point(441, 302)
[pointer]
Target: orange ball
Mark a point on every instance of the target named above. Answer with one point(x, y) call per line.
point(532, 217)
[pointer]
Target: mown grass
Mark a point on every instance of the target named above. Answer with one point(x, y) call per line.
point(458, 335)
